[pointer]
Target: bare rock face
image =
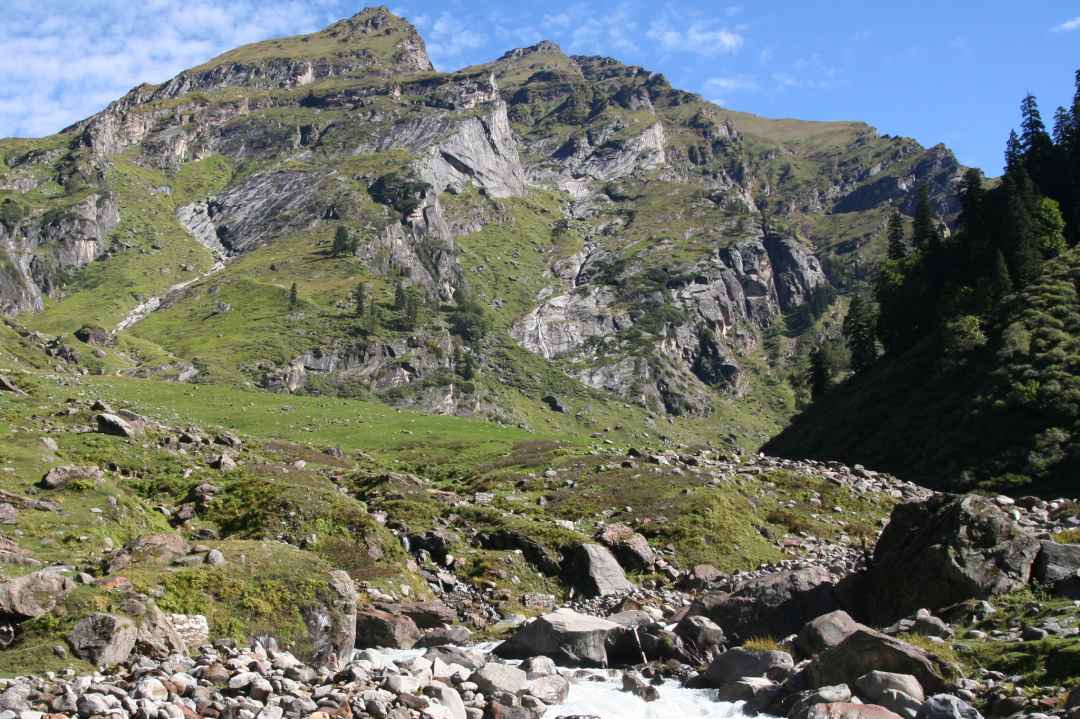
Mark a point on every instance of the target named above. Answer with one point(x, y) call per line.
point(332, 624)
point(103, 639)
point(481, 150)
point(942, 551)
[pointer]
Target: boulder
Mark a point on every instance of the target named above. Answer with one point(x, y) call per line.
point(777, 604)
point(594, 572)
point(156, 636)
point(120, 424)
point(103, 639)
point(564, 635)
point(550, 689)
point(946, 706)
point(757, 690)
point(468, 658)
point(1057, 562)
point(633, 683)
point(843, 710)
point(540, 666)
point(32, 595)
point(825, 632)
point(447, 698)
point(739, 663)
point(866, 650)
point(701, 636)
point(840, 693)
point(498, 677)
point(631, 549)
point(900, 693)
point(376, 628)
point(427, 615)
point(332, 623)
point(59, 477)
point(941, 551)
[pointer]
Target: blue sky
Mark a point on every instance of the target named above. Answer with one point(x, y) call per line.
point(938, 71)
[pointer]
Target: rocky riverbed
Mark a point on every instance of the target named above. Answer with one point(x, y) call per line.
point(791, 640)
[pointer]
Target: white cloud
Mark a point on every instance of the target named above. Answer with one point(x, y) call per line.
point(702, 38)
point(1068, 25)
point(63, 61)
point(449, 37)
point(731, 83)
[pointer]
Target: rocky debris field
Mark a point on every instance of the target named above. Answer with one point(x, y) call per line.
point(966, 606)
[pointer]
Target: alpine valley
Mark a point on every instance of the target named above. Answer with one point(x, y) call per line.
point(333, 386)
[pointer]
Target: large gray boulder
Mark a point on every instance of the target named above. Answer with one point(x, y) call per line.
point(594, 571)
point(740, 663)
point(564, 635)
point(900, 693)
point(1057, 562)
point(34, 594)
point(942, 551)
point(825, 632)
point(103, 639)
point(498, 677)
point(701, 636)
point(866, 650)
point(378, 629)
point(777, 604)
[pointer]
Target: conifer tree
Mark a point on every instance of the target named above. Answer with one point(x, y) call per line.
point(399, 296)
point(923, 230)
point(294, 297)
point(342, 242)
point(860, 332)
point(1000, 281)
point(1014, 154)
point(895, 233)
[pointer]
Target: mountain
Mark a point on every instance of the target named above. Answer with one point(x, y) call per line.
point(313, 348)
point(624, 247)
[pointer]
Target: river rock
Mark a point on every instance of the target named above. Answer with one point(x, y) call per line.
point(841, 710)
point(740, 662)
point(825, 632)
point(839, 693)
point(550, 689)
point(866, 650)
point(701, 636)
point(498, 677)
point(946, 706)
point(594, 572)
point(564, 635)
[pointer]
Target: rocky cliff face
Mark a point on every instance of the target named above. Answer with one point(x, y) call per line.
point(645, 273)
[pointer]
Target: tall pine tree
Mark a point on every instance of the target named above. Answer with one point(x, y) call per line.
point(923, 230)
point(895, 232)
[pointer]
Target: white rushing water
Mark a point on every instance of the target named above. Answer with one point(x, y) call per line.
point(605, 699)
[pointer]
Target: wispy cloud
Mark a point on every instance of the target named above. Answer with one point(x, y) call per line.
point(449, 37)
point(1068, 25)
point(702, 38)
point(730, 83)
point(64, 61)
